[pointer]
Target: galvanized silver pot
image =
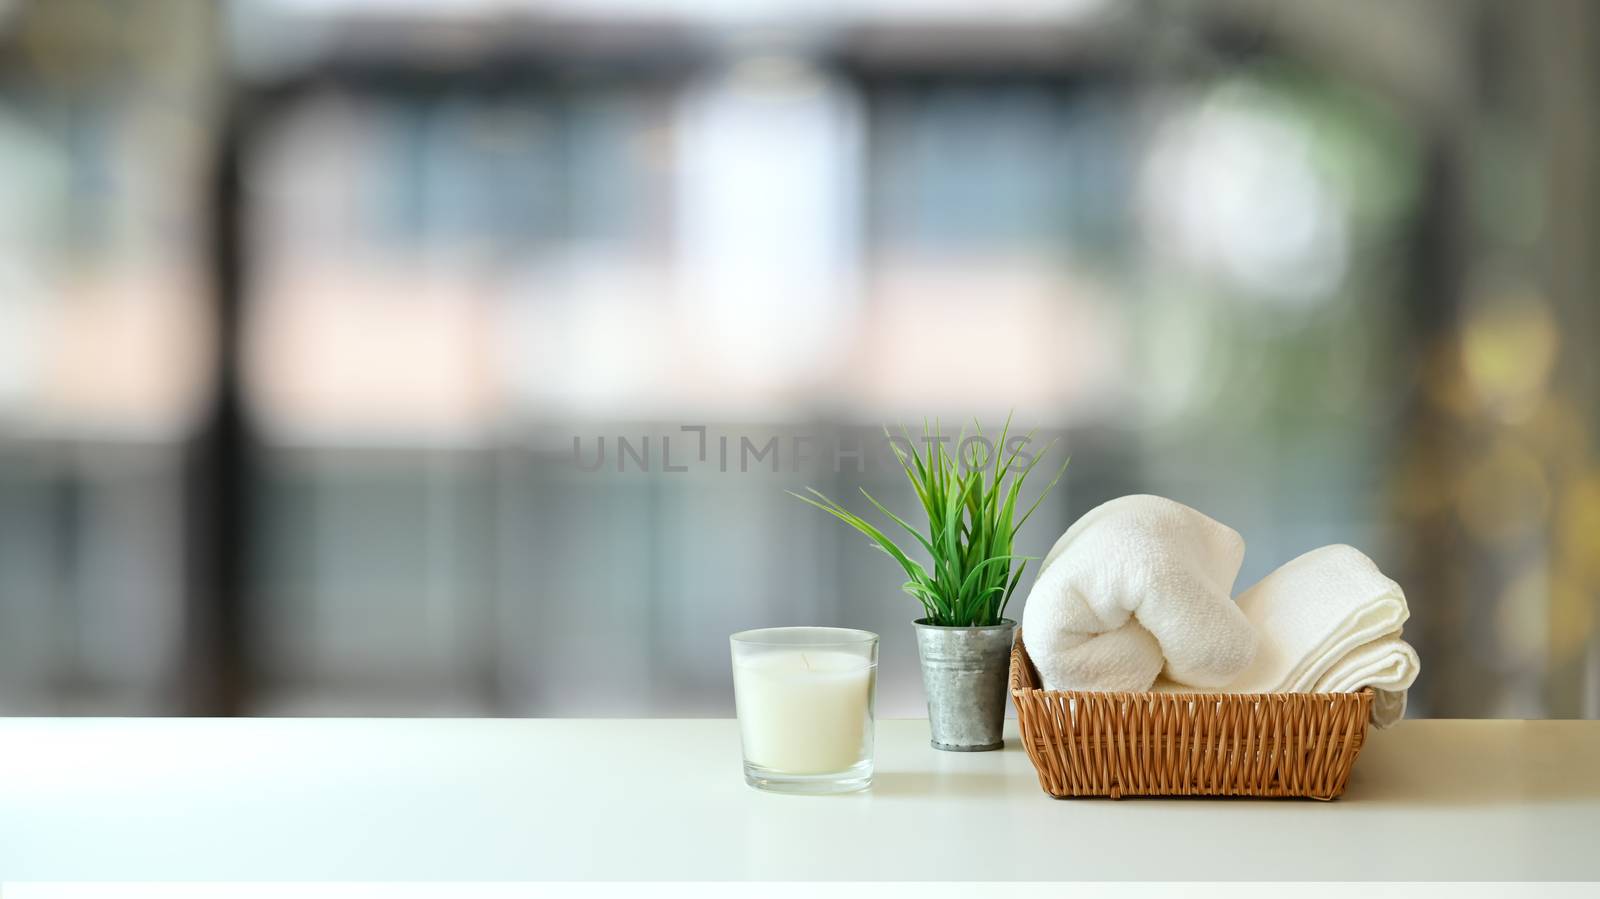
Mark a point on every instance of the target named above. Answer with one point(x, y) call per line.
point(964, 674)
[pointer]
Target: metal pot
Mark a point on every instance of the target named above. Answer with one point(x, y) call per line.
point(964, 673)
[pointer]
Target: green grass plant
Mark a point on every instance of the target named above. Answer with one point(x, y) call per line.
point(971, 505)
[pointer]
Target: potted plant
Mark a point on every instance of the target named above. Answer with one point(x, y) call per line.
point(963, 638)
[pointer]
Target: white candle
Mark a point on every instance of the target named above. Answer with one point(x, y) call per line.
point(804, 710)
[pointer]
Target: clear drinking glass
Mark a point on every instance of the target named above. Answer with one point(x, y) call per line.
point(805, 703)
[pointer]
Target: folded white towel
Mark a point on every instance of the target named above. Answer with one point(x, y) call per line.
point(1330, 622)
point(1388, 706)
point(1388, 664)
point(1139, 584)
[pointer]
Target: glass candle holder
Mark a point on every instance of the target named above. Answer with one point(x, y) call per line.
point(805, 704)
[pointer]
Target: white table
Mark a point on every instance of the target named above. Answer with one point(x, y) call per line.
point(246, 799)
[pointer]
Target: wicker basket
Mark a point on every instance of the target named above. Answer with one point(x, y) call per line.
point(1187, 744)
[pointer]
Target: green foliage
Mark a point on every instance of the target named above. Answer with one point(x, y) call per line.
point(971, 506)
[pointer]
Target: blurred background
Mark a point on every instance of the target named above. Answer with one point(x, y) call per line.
point(313, 314)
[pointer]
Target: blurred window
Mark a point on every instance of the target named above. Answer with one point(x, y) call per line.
point(104, 345)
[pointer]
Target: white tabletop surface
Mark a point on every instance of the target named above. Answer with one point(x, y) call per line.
point(322, 799)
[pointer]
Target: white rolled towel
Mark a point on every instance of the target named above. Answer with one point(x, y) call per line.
point(1137, 586)
point(1330, 622)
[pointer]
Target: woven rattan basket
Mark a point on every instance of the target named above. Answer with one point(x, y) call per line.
point(1187, 744)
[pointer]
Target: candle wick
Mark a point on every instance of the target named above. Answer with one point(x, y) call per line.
point(805, 661)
